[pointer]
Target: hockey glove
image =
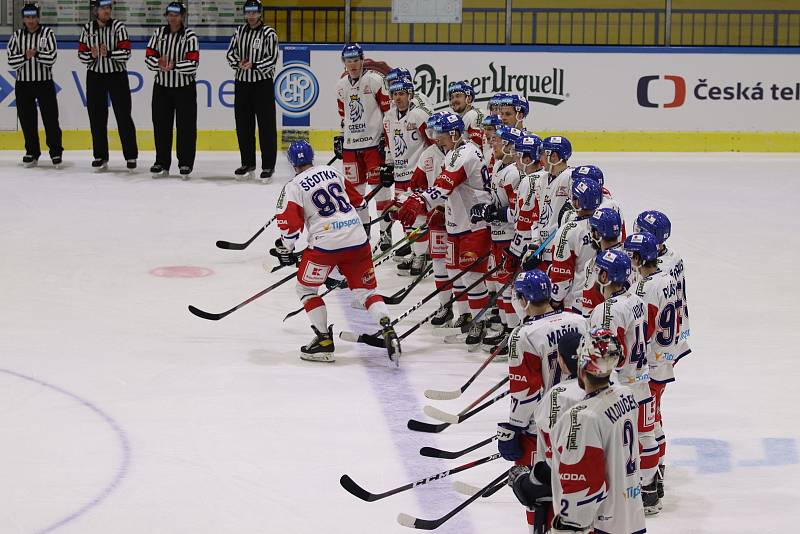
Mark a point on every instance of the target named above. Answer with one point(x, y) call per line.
point(531, 262)
point(338, 146)
point(559, 527)
point(286, 257)
point(413, 207)
point(387, 175)
point(333, 283)
point(527, 490)
point(483, 212)
point(511, 261)
point(508, 442)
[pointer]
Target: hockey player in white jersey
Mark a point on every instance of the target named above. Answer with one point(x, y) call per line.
point(658, 224)
point(606, 226)
point(429, 167)
point(513, 111)
point(463, 183)
point(500, 214)
point(551, 197)
point(532, 364)
point(461, 95)
point(529, 163)
point(623, 313)
point(572, 248)
point(659, 291)
point(420, 100)
point(595, 477)
point(490, 125)
point(323, 202)
point(532, 487)
point(362, 102)
point(405, 126)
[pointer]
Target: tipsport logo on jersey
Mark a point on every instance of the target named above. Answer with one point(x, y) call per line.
point(296, 86)
point(547, 87)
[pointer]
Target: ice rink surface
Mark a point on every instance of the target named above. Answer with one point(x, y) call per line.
point(121, 413)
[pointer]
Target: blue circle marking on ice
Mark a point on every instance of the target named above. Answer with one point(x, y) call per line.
point(124, 444)
point(296, 89)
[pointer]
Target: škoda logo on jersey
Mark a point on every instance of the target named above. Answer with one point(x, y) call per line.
point(545, 88)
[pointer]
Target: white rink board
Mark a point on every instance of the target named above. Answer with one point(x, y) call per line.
point(570, 91)
point(216, 428)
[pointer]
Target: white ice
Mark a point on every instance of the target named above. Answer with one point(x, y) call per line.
point(122, 413)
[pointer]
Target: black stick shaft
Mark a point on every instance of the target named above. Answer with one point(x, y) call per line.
point(433, 452)
point(217, 316)
point(241, 246)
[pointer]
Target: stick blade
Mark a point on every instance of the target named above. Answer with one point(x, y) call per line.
point(206, 315)
point(421, 426)
point(347, 335)
point(455, 339)
point(227, 245)
point(435, 394)
point(411, 521)
point(432, 452)
point(465, 489)
point(436, 413)
point(354, 489)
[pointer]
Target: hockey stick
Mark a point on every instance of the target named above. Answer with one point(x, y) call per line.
point(217, 316)
point(454, 419)
point(421, 426)
point(377, 260)
point(241, 246)
point(400, 295)
point(432, 452)
point(354, 489)
point(431, 524)
point(469, 490)
point(375, 340)
point(435, 394)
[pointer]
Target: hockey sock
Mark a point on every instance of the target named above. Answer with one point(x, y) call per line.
point(317, 313)
point(479, 295)
point(442, 280)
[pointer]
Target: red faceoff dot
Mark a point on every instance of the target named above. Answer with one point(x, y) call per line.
point(181, 271)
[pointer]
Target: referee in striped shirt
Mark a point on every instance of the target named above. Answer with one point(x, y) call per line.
point(173, 52)
point(253, 53)
point(32, 52)
point(105, 49)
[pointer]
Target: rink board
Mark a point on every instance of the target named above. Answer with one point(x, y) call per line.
point(612, 100)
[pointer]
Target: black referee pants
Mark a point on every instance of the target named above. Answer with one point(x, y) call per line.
point(27, 95)
point(178, 104)
point(256, 101)
point(99, 87)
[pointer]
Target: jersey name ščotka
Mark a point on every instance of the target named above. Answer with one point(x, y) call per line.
point(321, 200)
point(504, 182)
point(407, 140)
point(659, 292)
point(571, 251)
point(361, 105)
point(533, 362)
point(595, 469)
point(624, 316)
point(556, 401)
point(462, 184)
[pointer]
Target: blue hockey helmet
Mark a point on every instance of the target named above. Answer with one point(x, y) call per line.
point(460, 87)
point(396, 73)
point(401, 84)
point(352, 51)
point(510, 136)
point(492, 121)
point(654, 222)
point(558, 144)
point(529, 145)
point(615, 263)
point(589, 171)
point(449, 123)
point(517, 102)
point(534, 286)
point(495, 101)
point(431, 121)
point(644, 243)
point(300, 153)
point(607, 223)
point(587, 192)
